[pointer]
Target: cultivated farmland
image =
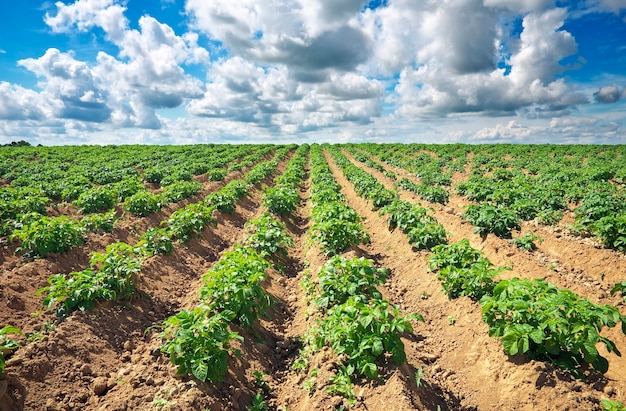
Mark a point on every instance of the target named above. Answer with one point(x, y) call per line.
point(355, 276)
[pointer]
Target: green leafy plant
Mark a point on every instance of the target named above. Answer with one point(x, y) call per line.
point(526, 242)
point(337, 227)
point(96, 199)
point(474, 282)
point(281, 199)
point(463, 270)
point(608, 405)
point(419, 374)
point(363, 331)
point(233, 286)
point(99, 221)
point(109, 277)
point(224, 199)
point(341, 384)
point(258, 403)
point(216, 174)
point(612, 231)
point(190, 220)
point(460, 254)
point(44, 235)
point(180, 190)
point(142, 203)
point(7, 344)
point(267, 236)
point(157, 241)
point(426, 235)
point(341, 278)
point(619, 287)
point(198, 343)
point(492, 219)
point(537, 318)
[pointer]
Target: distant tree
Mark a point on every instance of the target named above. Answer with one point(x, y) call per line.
point(21, 143)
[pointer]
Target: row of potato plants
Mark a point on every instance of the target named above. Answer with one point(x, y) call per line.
point(40, 235)
point(531, 317)
point(364, 183)
point(34, 195)
point(512, 184)
point(423, 230)
point(336, 226)
point(110, 274)
point(431, 183)
point(352, 318)
point(199, 341)
point(284, 198)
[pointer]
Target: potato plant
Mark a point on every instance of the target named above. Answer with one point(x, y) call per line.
point(43, 235)
point(233, 286)
point(198, 342)
point(7, 344)
point(267, 236)
point(536, 318)
point(463, 270)
point(488, 218)
point(109, 277)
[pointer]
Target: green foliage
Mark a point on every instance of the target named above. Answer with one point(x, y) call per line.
point(612, 231)
point(526, 242)
point(224, 199)
point(550, 217)
point(492, 219)
point(341, 278)
point(233, 286)
point(142, 203)
point(180, 190)
point(463, 271)
point(190, 220)
point(176, 175)
point(364, 331)
point(281, 199)
point(434, 194)
point(154, 174)
point(423, 230)
point(198, 342)
point(216, 174)
point(619, 287)
point(595, 206)
point(267, 236)
point(460, 254)
point(99, 221)
point(96, 199)
point(474, 282)
point(6, 343)
point(260, 171)
point(258, 403)
point(608, 405)
point(426, 235)
point(109, 277)
point(341, 384)
point(127, 187)
point(157, 241)
point(405, 215)
point(44, 235)
point(536, 318)
point(337, 227)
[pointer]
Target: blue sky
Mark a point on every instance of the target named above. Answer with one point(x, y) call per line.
point(194, 71)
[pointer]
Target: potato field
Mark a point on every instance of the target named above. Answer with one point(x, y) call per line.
point(313, 277)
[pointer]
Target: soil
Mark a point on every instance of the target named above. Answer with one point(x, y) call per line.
point(109, 359)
